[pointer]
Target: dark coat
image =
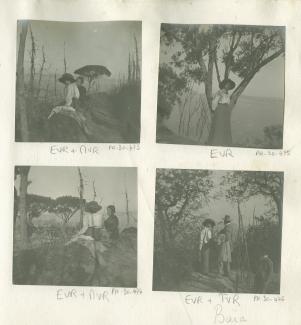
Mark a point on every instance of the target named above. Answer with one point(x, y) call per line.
point(111, 224)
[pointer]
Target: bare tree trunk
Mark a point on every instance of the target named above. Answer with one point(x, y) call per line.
point(134, 68)
point(208, 83)
point(32, 64)
point(81, 196)
point(20, 86)
point(137, 60)
point(127, 207)
point(41, 72)
point(24, 171)
point(55, 80)
point(65, 61)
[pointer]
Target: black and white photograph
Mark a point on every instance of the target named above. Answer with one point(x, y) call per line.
point(221, 85)
point(218, 231)
point(75, 226)
point(78, 81)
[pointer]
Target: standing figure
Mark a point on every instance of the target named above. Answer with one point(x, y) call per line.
point(112, 223)
point(264, 274)
point(226, 247)
point(220, 134)
point(205, 245)
point(82, 90)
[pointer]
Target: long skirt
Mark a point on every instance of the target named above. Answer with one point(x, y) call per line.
point(220, 134)
point(204, 259)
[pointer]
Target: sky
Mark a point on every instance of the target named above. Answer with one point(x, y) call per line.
point(268, 82)
point(109, 183)
point(219, 207)
point(103, 43)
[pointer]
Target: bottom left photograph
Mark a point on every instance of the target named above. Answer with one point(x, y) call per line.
point(75, 226)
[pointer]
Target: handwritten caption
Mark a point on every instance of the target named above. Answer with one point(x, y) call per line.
point(84, 149)
point(221, 153)
point(93, 294)
point(219, 303)
point(228, 153)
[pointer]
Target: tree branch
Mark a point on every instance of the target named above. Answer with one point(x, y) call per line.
point(217, 70)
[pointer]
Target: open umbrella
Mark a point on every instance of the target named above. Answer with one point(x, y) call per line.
point(92, 72)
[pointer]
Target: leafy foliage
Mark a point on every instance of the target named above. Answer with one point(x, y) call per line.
point(196, 50)
point(273, 136)
point(264, 238)
point(171, 87)
point(38, 204)
point(245, 184)
point(179, 193)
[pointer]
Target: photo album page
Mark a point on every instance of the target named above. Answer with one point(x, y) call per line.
point(150, 169)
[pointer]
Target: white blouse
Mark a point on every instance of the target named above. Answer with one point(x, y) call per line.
point(71, 92)
point(91, 220)
point(205, 236)
point(221, 97)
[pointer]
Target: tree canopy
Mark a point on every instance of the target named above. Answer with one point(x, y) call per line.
point(200, 53)
point(65, 207)
point(242, 185)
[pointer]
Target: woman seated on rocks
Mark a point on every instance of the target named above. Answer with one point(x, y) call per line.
point(71, 105)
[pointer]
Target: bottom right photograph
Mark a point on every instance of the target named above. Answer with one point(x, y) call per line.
point(218, 231)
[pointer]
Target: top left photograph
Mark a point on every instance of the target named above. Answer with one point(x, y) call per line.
point(78, 81)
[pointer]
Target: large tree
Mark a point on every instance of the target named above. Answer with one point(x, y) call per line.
point(203, 53)
point(37, 205)
point(242, 185)
point(65, 208)
point(176, 191)
point(23, 172)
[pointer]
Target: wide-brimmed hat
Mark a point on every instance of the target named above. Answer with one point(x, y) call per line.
point(223, 83)
point(227, 218)
point(208, 222)
point(66, 77)
point(93, 207)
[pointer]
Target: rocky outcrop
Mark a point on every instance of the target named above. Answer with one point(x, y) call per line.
point(82, 262)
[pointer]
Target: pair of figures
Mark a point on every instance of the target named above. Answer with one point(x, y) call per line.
point(75, 96)
point(225, 240)
point(225, 246)
point(94, 224)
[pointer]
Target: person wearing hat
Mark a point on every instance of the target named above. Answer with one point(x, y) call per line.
point(92, 220)
point(220, 134)
point(71, 95)
point(92, 223)
point(226, 237)
point(205, 245)
point(72, 102)
point(72, 92)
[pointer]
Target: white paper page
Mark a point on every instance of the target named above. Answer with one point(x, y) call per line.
point(123, 173)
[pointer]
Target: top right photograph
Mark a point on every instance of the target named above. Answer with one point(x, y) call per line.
point(221, 85)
